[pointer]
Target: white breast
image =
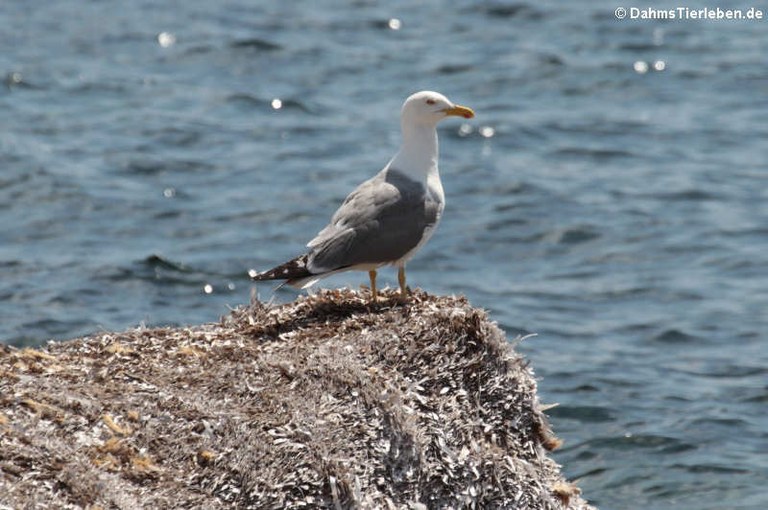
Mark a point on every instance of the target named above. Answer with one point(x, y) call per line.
point(435, 191)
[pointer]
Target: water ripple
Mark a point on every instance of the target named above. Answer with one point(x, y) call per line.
point(586, 414)
point(255, 44)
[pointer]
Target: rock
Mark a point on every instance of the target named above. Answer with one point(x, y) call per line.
point(326, 402)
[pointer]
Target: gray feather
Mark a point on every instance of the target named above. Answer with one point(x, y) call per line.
point(379, 222)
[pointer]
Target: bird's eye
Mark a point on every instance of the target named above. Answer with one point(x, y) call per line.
point(430, 101)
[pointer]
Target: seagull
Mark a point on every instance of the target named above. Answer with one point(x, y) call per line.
point(387, 218)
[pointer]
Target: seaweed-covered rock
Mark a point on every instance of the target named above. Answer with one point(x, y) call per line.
point(326, 402)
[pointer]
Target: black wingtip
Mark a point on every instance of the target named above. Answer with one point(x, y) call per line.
point(292, 270)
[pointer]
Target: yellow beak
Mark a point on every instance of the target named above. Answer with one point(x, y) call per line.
point(460, 111)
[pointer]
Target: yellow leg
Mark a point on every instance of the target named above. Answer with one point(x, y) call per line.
point(372, 276)
point(401, 280)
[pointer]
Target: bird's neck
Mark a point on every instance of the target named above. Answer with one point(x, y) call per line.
point(418, 153)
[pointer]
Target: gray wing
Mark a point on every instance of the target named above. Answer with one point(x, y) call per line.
point(379, 222)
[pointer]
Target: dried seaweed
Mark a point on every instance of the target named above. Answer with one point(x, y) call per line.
point(326, 402)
